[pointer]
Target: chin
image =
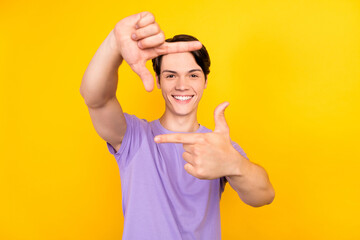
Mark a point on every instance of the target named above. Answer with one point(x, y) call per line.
point(182, 109)
point(183, 112)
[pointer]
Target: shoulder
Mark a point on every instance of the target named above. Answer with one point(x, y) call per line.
point(130, 118)
point(134, 123)
point(136, 133)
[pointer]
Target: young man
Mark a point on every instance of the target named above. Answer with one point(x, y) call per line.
point(173, 170)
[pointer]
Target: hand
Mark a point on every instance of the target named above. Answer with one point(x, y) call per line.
point(208, 155)
point(139, 38)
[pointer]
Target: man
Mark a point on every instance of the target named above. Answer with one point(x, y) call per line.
point(173, 170)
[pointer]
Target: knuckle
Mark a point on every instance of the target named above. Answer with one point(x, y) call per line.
point(202, 139)
point(151, 16)
point(139, 33)
point(143, 43)
point(157, 28)
point(153, 29)
point(197, 161)
point(145, 13)
point(178, 138)
point(197, 151)
point(162, 36)
point(200, 173)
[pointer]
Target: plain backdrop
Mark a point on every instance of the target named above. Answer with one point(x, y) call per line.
point(290, 70)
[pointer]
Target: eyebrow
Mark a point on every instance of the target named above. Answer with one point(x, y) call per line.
point(192, 70)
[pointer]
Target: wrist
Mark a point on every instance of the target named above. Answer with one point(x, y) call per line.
point(240, 164)
point(112, 41)
point(113, 46)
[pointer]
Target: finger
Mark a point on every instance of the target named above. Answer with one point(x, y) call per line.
point(145, 75)
point(146, 18)
point(188, 158)
point(190, 169)
point(178, 47)
point(147, 31)
point(219, 117)
point(189, 138)
point(189, 148)
point(152, 41)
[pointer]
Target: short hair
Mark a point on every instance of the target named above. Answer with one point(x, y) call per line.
point(201, 56)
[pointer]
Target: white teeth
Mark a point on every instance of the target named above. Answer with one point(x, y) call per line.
point(183, 98)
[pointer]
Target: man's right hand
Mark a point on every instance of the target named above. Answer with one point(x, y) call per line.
point(138, 38)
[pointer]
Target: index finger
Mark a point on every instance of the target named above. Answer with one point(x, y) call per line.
point(187, 138)
point(178, 47)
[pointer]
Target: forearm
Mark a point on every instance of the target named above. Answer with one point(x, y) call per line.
point(100, 79)
point(251, 183)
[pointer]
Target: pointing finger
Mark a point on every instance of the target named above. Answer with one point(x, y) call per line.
point(188, 138)
point(219, 117)
point(178, 47)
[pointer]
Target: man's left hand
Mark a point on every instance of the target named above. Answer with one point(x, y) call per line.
point(208, 155)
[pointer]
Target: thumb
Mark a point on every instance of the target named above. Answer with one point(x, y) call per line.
point(219, 117)
point(145, 75)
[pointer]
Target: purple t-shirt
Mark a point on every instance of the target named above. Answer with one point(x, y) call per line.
point(160, 199)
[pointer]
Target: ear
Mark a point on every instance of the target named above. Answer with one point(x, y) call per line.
point(206, 81)
point(158, 82)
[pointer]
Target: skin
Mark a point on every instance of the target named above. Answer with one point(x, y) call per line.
point(137, 39)
point(181, 76)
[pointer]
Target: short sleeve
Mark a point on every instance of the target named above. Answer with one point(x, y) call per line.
point(131, 141)
point(239, 149)
point(223, 180)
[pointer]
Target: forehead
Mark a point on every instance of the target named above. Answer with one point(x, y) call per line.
point(178, 61)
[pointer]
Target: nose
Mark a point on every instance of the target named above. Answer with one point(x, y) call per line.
point(182, 84)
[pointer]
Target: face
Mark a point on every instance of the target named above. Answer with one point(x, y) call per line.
point(182, 83)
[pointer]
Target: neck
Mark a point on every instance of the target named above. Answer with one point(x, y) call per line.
point(178, 123)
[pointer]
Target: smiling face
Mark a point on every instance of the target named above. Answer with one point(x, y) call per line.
point(182, 83)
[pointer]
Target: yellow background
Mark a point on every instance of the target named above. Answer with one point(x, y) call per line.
point(290, 70)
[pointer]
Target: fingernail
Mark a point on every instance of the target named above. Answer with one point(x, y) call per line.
point(133, 36)
point(137, 26)
point(157, 139)
point(140, 45)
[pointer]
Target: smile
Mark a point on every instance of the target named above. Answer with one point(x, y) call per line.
point(182, 98)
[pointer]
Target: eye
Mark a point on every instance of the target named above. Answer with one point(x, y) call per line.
point(194, 76)
point(170, 76)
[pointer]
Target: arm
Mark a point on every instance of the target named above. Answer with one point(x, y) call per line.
point(135, 39)
point(251, 182)
point(98, 88)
